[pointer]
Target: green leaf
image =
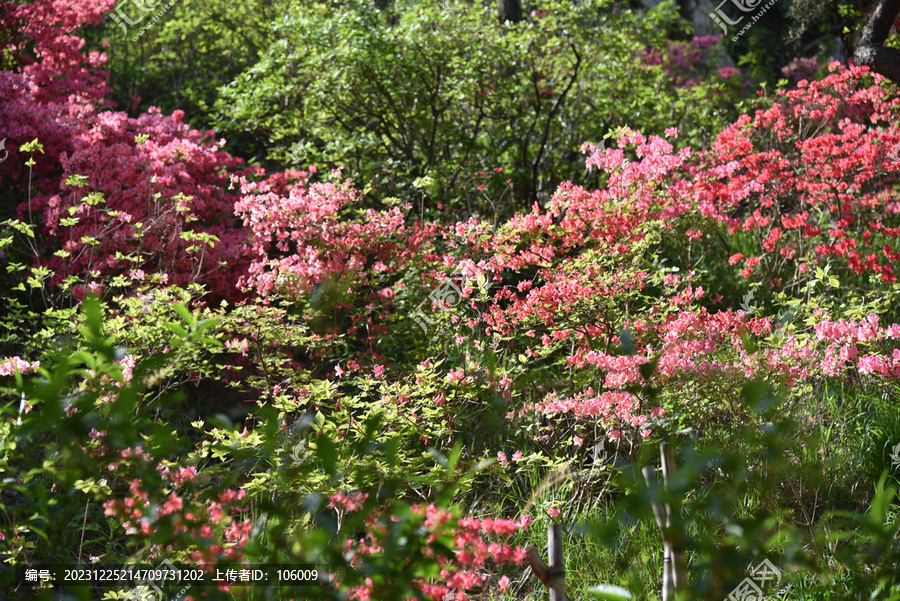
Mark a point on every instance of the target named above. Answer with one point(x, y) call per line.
point(327, 452)
point(627, 341)
point(610, 591)
point(647, 369)
point(180, 331)
point(182, 312)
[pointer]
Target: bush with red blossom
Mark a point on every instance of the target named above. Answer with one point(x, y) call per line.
point(319, 418)
point(114, 194)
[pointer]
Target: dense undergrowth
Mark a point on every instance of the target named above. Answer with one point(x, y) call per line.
point(403, 358)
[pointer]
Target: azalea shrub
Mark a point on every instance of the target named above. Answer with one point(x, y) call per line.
point(726, 200)
point(162, 206)
point(207, 362)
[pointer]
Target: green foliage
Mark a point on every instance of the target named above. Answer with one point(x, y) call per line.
point(811, 19)
point(339, 394)
point(186, 52)
point(452, 95)
point(738, 511)
point(88, 432)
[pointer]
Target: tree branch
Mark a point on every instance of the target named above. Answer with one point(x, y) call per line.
point(540, 153)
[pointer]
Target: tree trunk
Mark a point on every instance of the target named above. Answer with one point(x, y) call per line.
point(552, 576)
point(870, 50)
point(510, 10)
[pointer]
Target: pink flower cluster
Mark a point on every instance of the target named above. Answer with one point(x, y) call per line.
point(801, 68)
point(163, 186)
point(681, 59)
point(11, 365)
point(208, 523)
point(313, 237)
point(516, 458)
point(472, 553)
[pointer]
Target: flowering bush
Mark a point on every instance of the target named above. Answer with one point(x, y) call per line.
point(157, 205)
point(316, 237)
point(292, 371)
point(456, 545)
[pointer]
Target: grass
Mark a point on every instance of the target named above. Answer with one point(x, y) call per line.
point(837, 441)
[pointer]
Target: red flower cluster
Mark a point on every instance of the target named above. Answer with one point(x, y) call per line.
point(150, 193)
point(472, 553)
